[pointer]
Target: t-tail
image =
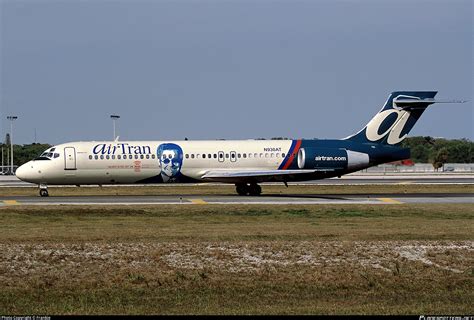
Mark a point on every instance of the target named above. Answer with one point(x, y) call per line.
point(398, 116)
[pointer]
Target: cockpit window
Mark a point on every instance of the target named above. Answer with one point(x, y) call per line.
point(48, 155)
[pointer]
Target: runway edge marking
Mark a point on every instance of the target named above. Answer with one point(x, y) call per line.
point(10, 202)
point(389, 200)
point(198, 201)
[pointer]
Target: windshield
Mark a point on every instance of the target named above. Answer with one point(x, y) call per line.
point(48, 155)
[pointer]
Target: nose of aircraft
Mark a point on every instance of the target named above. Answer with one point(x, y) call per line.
point(24, 172)
point(21, 172)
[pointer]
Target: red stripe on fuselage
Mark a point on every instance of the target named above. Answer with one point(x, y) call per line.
point(292, 155)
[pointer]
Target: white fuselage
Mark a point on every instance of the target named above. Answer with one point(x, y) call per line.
point(244, 163)
point(114, 162)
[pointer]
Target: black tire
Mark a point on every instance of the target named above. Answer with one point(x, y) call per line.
point(44, 193)
point(255, 190)
point(242, 189)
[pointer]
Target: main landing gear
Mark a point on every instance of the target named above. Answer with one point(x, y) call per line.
point(43, 190)
point(245, 189)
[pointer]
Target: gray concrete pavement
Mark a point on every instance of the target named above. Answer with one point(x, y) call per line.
point(264, 199)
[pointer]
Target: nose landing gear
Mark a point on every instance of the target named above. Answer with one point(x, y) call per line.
point(43, 190)
point(244, 189)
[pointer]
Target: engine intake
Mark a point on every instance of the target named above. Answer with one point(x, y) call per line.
point(314, 158)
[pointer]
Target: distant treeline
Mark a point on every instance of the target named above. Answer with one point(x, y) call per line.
point(423, 150)
point(22, 153)
point(431, 150)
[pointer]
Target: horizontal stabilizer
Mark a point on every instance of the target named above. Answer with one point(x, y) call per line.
point(405, 102)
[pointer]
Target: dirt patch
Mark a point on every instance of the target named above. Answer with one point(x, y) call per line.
point(20, 260)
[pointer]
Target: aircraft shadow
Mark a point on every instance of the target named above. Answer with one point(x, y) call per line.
point(305, 196)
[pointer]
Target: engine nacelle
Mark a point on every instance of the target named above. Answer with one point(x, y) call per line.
point(314, 158)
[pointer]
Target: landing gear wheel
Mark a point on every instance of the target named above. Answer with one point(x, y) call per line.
point(43, 192)
point(255, 190)
point(242, 189)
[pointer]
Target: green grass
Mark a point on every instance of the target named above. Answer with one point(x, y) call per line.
point(203, 259)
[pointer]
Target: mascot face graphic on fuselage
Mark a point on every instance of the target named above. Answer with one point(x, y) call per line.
point(170, 156)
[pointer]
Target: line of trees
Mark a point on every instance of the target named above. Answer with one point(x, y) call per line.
point(22, 153)
point(438, 151)
point(423, 150)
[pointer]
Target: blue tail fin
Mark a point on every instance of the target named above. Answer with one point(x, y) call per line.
point(398, 116)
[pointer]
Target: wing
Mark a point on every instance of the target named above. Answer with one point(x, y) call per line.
point(235, 175)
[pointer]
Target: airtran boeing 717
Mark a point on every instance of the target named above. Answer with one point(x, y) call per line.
point(245, 163)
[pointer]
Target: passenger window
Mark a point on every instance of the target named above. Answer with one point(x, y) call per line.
point(96, 157)
point(261, 155)
point(101, 157)
point(107, 157)
point(255, 155)
point(232, 155)
point(250, 155)
point(136, 156)
point(192, 156)
point(227, 155)
point(187, 156)
point(141, 156)
point(204, 156)
point(153, 156)
point(113, 156)
point(90, 157)
point(209, 156)
point(170, 156)
point(238, 155)
point(271, 155)
point(245, 155)
point(215, 156)
point(266, 155)
point(148, 156)
point(130, 156)
point(221, 155)
point(282, 155)
point(119, 157)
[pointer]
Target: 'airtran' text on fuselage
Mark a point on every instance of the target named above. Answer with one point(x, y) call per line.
point(120, 148)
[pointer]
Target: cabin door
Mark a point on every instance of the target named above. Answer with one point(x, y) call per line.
point(69, 158)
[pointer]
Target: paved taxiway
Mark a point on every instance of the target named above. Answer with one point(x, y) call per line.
point(359, 179)
point(228, 199)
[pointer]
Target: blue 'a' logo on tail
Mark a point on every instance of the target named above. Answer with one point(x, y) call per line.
point(393, 123)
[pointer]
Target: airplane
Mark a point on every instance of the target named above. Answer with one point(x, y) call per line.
point(245, 163)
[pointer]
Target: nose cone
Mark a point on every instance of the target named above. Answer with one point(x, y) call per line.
point(25, 172)
point(21, 172)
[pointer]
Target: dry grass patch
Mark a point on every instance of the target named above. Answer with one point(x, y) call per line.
point(231, 259)
point(255, 277)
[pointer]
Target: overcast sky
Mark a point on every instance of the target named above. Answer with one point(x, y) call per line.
point(229, 69)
